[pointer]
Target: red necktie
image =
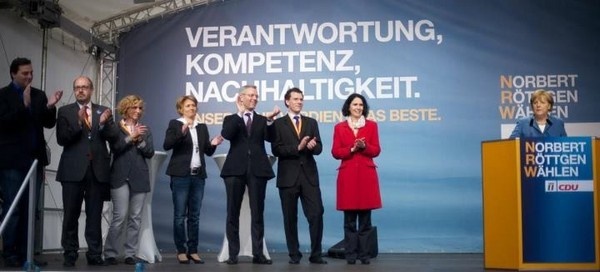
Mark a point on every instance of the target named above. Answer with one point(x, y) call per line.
point(88, 120)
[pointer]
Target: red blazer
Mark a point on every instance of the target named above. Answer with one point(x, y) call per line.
point(357, 181)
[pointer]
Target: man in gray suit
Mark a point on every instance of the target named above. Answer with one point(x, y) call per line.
point(297, 142)
point(83, 129)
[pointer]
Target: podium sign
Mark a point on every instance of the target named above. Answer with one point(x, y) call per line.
point(540, 203)
point(557, 192)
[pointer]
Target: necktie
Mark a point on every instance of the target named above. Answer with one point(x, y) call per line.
point(297, 123)
point(248, 122)
point(88, 119)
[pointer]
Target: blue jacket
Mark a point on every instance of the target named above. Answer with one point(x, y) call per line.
point(527, 127)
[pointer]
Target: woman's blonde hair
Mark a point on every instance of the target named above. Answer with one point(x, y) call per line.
point(542, 95)
point(129, 102)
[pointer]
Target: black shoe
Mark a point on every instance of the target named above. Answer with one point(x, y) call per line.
point(97, 261)
point(261, 260)
point(130, 261)
point(13, 262)
point(351, 261)
point(68, 263)
point(294, 261)
point(111, 261)
point(70, 258)
point(365, 261)
point(40, 263)
point(317, 260)
point(232, 260)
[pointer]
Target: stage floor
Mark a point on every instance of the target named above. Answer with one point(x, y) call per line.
point(384, 262)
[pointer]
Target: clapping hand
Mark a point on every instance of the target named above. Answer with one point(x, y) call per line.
point(54, 98)
point(105, 116)
point(138, 131)
point(274, 113)
point(359, 144)
point(216, 140)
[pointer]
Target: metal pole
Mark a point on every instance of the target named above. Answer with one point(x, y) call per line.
point(31, 220)
point(38, 246)
point(12, 208)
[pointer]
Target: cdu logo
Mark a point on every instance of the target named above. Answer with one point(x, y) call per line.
point(551, 186)
point(569, 186)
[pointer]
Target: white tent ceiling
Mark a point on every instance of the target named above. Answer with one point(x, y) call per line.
point(99, 22)
point(86, 13)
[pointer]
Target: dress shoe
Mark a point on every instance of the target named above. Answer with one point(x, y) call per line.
point(69, 263)
point(232, 260)
point(351, 261)
point(196, 258)
point(182, 258)
point(111, 261)
point(294, 261)
point(40, 263)
point(13, 262)
point(365, 261)
point(70, 258)
point(317, 260)
point(261, 260)
point(97, 261)
point(130, 261)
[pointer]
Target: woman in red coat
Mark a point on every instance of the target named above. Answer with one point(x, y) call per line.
point(356, 143)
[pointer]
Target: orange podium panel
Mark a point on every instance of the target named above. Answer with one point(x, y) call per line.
point(503, 206)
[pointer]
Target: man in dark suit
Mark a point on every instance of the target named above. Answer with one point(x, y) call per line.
point(247, 164)
point(297, 142)
point(83, 129)
point(24, 113)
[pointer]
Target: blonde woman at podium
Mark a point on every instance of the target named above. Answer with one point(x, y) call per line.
point(356, 143)
point(129, 180)
point(541, 124)
point(189, 140)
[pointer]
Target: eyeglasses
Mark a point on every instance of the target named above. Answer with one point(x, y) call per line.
point(85, 87)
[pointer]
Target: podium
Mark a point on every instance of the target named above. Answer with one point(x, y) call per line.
point(245, 236)
point(540, 203)
point(147, 249)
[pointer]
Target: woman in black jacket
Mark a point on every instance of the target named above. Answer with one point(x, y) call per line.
point(190, 142)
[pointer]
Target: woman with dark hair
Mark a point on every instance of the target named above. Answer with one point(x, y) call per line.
point(190, 142)
point(356, 143)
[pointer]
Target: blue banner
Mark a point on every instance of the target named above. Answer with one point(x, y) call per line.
point(557, 192)
point(439, 76)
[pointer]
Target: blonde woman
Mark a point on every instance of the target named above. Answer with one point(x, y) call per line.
point(129, 179)
point(541, 124)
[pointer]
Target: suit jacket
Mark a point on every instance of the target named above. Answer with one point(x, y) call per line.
point(129, 162)
point(246, 148)
point(357, 181)
point(79, 144)
point(182, 146)
point(22, 129)
point(527, 127)
point(291, 161)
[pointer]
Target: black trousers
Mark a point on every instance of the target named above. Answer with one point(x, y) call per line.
point(357, 238)
point(312, 205)
point(73, 193)
point(235, 187)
